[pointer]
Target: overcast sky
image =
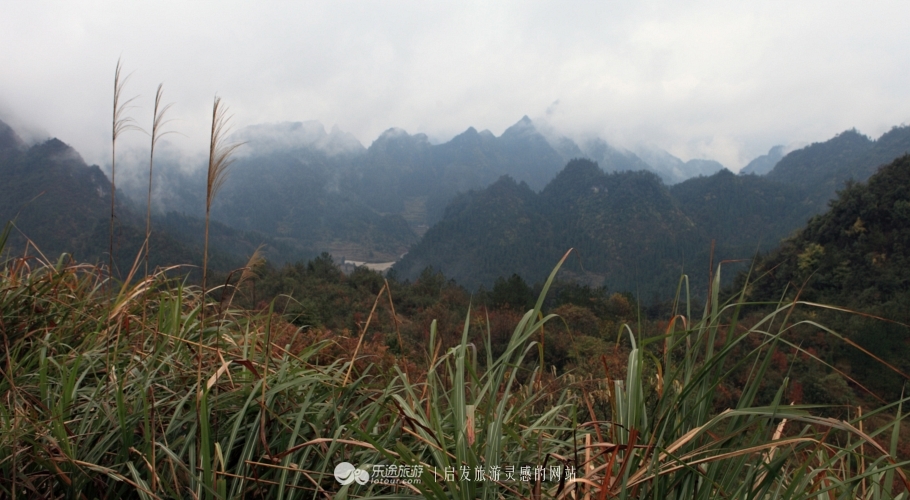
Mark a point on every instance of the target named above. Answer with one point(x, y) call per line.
point(703, 79)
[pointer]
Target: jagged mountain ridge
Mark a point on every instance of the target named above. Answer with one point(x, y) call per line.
point(294, 180)
point(310, 190)
point(634, 233)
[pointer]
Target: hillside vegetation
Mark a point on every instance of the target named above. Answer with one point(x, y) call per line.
point(857, 256)
point(260, 388)
point(632, 232)
point(140, 393)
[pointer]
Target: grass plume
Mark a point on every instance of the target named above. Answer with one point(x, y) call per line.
point(120, 124)
point(220, 152)
point(158, 121)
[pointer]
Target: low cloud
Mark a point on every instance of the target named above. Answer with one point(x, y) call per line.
point(720, 80)
point(264, 138)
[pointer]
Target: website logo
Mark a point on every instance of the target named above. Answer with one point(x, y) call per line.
point(346, 473)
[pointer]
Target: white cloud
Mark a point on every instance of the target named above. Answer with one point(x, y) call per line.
point(704, 78)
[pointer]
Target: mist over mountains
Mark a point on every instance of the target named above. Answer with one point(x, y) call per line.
point(764, 163)
point(287, 169)
point(477, 207)
point(632, 231)
point(60, 205)
point(309, 135)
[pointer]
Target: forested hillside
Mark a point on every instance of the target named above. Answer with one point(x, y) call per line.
point(821, 169)
point(632, 232)
point(741, 212)
point(856, 256)
point(622, 224)
point(493, 228)
point(55, 198)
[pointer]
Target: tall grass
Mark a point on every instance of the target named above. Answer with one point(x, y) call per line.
point(219, 160)
point(158, 121)
point(220, 152)
point(99, 403)
point(120, 123)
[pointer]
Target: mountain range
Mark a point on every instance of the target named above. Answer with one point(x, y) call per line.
point(630, 230)
point(324, 191)
point(476, 207)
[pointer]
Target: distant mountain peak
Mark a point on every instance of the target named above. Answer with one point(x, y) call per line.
point(396, 141)
point(469, 134)
point(764, 163)
point(470, 139)
point(523, 127)
point(578, 176)
point(393, 133)
point(583, 166)
point(9, 139)
point(505, 180)
point(56, 146)
point(396, 134)
point(853, 133)
point(506, 186)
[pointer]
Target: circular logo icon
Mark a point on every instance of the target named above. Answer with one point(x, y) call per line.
point(346, 473)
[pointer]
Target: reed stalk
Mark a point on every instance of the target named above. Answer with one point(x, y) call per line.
point(120, 124)
point(220, 153)
point(158, 121)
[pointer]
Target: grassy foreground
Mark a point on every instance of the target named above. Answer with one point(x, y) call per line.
point(121, 390)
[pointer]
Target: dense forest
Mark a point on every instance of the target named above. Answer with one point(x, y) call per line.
point(855, 257)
